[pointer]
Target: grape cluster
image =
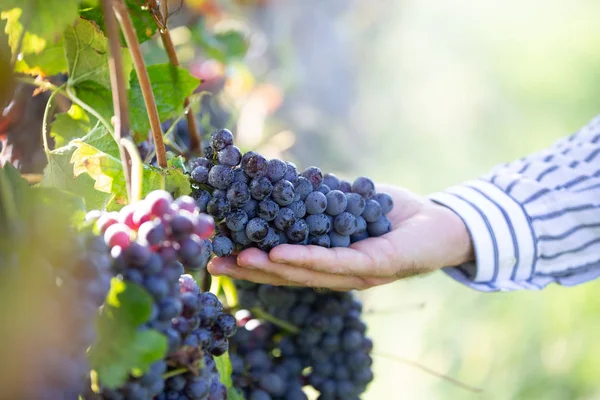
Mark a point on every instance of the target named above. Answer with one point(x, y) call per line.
point(263, 203)
point(202, 325)
point(256, 370)
point(330, 340)
point(53, 279)
point(152, 242)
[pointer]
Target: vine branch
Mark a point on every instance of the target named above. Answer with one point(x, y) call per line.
point(119, 93)
point(161, 20)
point(429, 371)
point(140, 68)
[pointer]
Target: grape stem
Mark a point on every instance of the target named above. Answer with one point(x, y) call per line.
point(175, 372)
point(161, 20)
point(429, 371)
point(262, 314)
point(119, 93)
point(140, 68)
point(46, 118)
point(137, 169)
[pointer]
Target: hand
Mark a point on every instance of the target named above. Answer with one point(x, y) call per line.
point(425, 237)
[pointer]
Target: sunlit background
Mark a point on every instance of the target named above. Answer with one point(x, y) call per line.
point(425, 94)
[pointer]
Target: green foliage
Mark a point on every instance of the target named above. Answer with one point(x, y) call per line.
point(144, 25)
point(70, 125)
point(86, 50)
point(224, 46)
point(170, 85)
point(122, 348)
point(223, 363)
point(45, 19)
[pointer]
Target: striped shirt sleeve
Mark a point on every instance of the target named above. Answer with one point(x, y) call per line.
point(534, 221)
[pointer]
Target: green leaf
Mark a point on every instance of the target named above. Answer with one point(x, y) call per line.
point(224, 46)
point(31, 43)
point(122, 348)
point(224, 366)
point(101, 138)
point(170, 85)
point(234, 394)
point(107, 171)
point(176, 181)
point(86, 50)
point(45, 18)
point(59, 174)
point(70, 125)
point(97, 97)
point(144, 24)
point(50, 61)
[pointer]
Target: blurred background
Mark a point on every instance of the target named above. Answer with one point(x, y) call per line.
point(422, 94)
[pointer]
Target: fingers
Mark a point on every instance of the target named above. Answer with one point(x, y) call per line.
point(255, 265)
point(228, 266)
point(370, 257)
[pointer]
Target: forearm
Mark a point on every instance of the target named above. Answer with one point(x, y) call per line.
point(535, 221)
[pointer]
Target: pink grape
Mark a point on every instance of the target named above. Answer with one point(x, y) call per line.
point(118, 235)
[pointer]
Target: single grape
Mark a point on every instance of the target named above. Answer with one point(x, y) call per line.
point(236, 220)
point(200, 161)
point(291, 171)
point(361, 225)
point(380, 227)
point(220, 177)
point(283, 192)
point(220, 139)
point(181, 225)
point(227, 324)
point(284, 219)
point(298, 231)
point(345, 187)
point(316, 203)
point(241, 238)
point(106, 220)
point(202, 198)
point(222, 246)
point(218, 207)
point(267, 210)
point(345, 224)
point(324, 189)
point(318, 224)
point(332, 181)
point(364, 186)
point(299, 209)
point(151, 233)
point(270, 241)
point(208, 152)
point(322, 241)
point(303, 187)
point(260, 188)
point(336, 202)
point(257, 229)
point(385, 201)
point(255, 165)
point(250, 208)
point(200, 174)
point(314, 175)
point(230, 155)
point(240, 176)
point(276, 170)
point(355, 204)
point(372, 211)
point(238, 194)
point(118, 235)
point(186, 203)
point(338, 240)
point(204, 226)
point(158, 202)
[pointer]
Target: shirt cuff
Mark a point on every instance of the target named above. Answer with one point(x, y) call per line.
point(503, 238)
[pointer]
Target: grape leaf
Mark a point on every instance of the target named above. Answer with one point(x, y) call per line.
point(107, 171)
point(70, 125)
point(97, 97)
point(121, 347)
point(224, 366)
point(143, 22)
point(46, 19)
point(176, 181)
point(101, 138)
point(86, 50)
point(50, 61)
point(59, 174)
point(170, 85)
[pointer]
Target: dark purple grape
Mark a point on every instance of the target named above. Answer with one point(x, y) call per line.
point(372, 211)
point(202, 198)
point(270, 241)
point(236, 220)
point(220, 177)
point(227, 324)
point(291, 171)
point(200, 161)
point(276, 170)
point(220, 139)
point(338, 240)
point(314, 175)
point(303, 187)
point(283, 192)
point(298, 231)
point(241, 238)
point(324, 189)
point(345, 187)
point(284, 219)
point(250, 208)
point(200, 174)
point(257, 229)
point(260, 188)
point(332, 181)
point(385, 201)
point(364, 186)
point(318, 224)
point(238, 194)
point(356, 204)
point(322, 241)
point(255, 165)
point(222, 246)
point(267, 210)
point(299, 208)
point(336, 202)
point(240, 176)
point(316, 203)
point(345, 224)
point(230, 155)
point(218, 207)
point(380, 227)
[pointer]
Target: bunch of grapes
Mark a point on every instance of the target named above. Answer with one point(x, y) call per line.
point(263, 203)
point(152, 242)
point(256, 370)
point(331, 336)
point(53, 279)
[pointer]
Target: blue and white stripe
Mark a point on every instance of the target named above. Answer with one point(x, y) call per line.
point(535, 221)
